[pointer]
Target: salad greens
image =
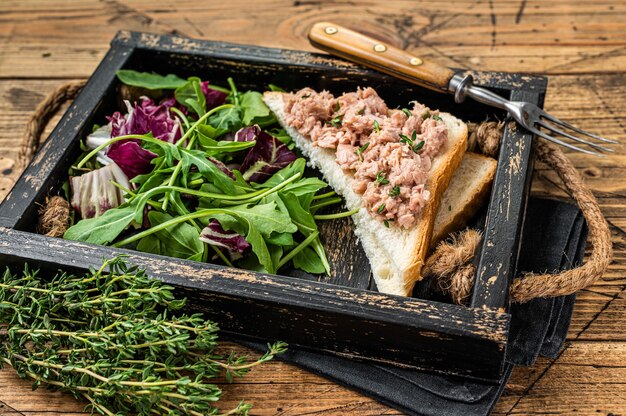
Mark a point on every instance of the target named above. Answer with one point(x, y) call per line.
point(211, 176)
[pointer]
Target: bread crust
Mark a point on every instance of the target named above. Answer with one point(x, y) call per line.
point(469, 194)
point(399, 268)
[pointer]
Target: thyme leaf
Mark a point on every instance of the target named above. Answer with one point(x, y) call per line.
point(113, 339)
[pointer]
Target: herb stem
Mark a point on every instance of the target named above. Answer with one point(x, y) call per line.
point(174, 221)
point(98, 406)
point(150, 202)
point(177, 169)
point(322, 204)
point(221, 255)
point(180, 115)
point(198, 122)
point(233, 89)
point(338, 215)
point(297, 249)
point(322, 196)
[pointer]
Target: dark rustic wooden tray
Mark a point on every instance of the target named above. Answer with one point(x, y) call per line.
point(340, 314)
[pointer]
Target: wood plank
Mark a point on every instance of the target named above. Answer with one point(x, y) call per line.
point(38, 39)
point(587, 379)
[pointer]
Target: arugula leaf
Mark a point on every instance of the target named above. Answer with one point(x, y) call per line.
point(208, 169)
point(150, 181)
point(254, 109)
point(165, 151)
point(253, 235)
point(297, 166)
point(265, 217)
point(149, 80)
point(305, 186)
point(102, 229)
point(302, 218)
point(281, 239)
point(180, 241)
point(215, 147)
point(225, 120)
point(191, 96)
point(309, 261)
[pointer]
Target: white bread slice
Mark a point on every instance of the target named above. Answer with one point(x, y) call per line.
point(396, 255)
point(466, 193)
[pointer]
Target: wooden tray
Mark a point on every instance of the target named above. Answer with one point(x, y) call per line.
point(341, 314)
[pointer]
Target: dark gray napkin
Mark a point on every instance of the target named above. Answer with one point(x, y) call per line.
point(553, 239)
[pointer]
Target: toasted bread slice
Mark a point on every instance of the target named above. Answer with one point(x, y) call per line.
point(395, 254)
point(466, 193)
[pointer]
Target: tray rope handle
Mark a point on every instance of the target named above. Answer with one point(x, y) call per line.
point(54, 214)
point(450, 263)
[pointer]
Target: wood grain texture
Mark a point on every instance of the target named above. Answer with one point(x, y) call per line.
point(581, 43)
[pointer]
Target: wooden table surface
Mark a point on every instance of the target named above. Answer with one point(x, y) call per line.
point(581, 45)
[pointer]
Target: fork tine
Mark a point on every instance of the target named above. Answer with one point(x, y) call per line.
point(539, 133)
point(578, 139)
point(576, 129)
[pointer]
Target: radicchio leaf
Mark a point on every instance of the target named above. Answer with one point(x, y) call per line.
point(131, 157)
point(269, 155)
point(221, 166)
point(247, 134)
point(141, 119)
point(93, 193)
point(215, 235)
point(214, 98)
point(146, 118)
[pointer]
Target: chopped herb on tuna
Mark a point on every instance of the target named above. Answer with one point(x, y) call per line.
point(359, 151)
point(418, 146)
point(336, 122)
point(380, 178)
point(381, 208)
point(367, 119)
point(436, 117)
point(337, 106)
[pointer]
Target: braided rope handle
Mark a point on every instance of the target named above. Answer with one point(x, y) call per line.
point(450, 262)
point(41, 116)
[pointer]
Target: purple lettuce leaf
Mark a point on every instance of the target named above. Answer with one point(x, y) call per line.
point(247, 134)
point(214, 98)
point(144, 118)
point(131, 157)
point(215, 235)
point(93, 193)
point(221, 166)
point(268, 156)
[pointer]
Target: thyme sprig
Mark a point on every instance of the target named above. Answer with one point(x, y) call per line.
point(111, 338)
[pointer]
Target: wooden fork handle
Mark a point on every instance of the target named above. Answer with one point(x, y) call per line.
point(372, 53)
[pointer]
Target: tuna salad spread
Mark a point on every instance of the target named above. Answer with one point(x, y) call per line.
point(389, 151)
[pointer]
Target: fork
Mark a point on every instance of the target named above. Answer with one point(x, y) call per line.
point(370, 52)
